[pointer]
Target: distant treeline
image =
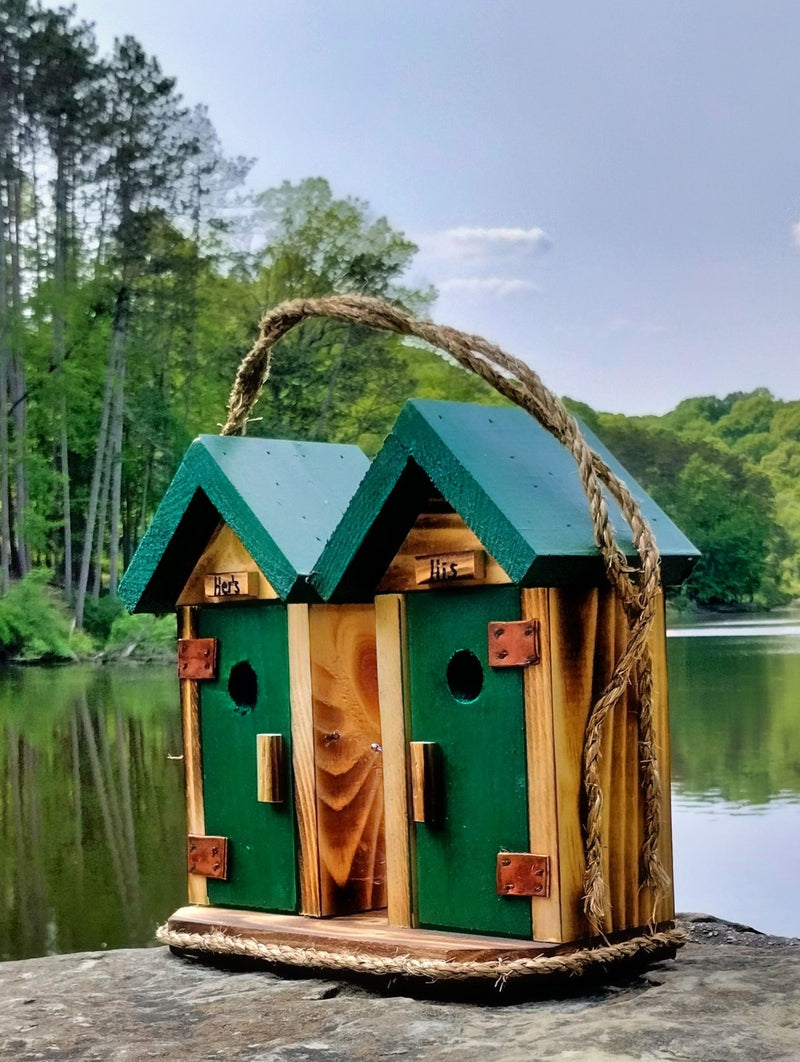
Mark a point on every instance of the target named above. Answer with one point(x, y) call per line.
point(134, 269)
point(727, 470)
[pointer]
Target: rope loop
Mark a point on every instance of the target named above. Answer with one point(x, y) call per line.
point(637, 587)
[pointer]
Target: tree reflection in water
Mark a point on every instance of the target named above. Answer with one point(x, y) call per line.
point(91, 807)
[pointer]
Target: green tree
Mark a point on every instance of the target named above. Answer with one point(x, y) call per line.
point(332, 380)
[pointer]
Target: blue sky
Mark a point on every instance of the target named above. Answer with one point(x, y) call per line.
point(609, 190)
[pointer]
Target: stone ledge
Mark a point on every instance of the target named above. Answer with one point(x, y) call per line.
point(731, 994)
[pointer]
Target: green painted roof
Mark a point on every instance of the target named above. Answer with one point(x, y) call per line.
point(511, 482)
point(283, 499)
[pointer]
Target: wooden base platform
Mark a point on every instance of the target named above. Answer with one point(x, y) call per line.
point(367, 945)
point(367, 934)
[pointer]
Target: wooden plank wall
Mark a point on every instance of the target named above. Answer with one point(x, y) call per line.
point(348, 758)
point(390, 622)
point(305, 796)
point(192, 761)
point(541, 765)
point(588, 633)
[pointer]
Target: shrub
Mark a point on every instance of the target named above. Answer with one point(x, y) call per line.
point(35, 623)
point(99, 616)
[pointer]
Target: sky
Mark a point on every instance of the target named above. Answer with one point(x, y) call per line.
point(610, 191)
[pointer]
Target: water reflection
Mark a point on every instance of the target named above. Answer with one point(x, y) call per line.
point(735, 707)
point(735, 721)
point(91, 807)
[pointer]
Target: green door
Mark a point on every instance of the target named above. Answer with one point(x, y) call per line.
point(250, 696)
point(475, 715)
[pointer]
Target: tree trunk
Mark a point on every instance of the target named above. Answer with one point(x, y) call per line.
point(66, 508)
point(19, 397)
point(60, 351)
point(5, 485)
point(102, 513)
point(116, 480)
point(115, 358)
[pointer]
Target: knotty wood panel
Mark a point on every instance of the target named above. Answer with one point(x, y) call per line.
point(588, 633)
point(192, 762)
point(437, 533)
point(224, 553)
point(347, 758)
point(390, 624)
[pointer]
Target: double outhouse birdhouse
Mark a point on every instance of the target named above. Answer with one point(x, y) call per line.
point(386, 674)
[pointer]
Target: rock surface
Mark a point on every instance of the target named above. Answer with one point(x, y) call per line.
point(731, 994)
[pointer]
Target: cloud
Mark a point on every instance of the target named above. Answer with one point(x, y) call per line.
point(796, 233)
point(499, 286)
point(466, 243)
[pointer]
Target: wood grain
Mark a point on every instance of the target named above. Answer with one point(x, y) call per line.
point(438, 568)
point(229, 585)
point(347, 758)
point(390, 625)
point(369, 934)
point(424, 758)
point(192, 761)
point(224, 553)
point(270, 767)
point(303, 758)
point(438, 534)
point(665, 910)
point(573, 624)
point(541, 766)
point(588, 633)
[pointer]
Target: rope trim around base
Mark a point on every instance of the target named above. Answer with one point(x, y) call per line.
point(573, 964)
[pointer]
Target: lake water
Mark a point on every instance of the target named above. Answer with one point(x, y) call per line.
point(91, 790)
point(735, 721)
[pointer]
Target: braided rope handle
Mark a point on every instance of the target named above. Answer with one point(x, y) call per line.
point(519, 383)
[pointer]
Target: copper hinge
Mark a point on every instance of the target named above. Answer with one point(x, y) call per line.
point(207, 856)
point(197, 658)
point(523, 874)
point(514, 644)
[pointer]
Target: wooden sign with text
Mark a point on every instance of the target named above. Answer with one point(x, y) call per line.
point(222, 586)
point(438, 568)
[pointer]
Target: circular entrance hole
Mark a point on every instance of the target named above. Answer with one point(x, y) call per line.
point(465, 676)
point(243, 686)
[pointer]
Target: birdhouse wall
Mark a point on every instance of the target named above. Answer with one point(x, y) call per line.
point(582, 635)
point(348, 759)
point(437, 541)
point(217, 576)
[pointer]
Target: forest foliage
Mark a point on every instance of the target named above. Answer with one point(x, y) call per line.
point(134, 267)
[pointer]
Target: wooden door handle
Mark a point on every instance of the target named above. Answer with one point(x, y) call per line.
point(269, 756)
point(427, 791)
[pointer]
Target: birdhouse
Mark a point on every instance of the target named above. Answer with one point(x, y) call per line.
point(496, 632)
point(231, 547)
point(386, 676)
